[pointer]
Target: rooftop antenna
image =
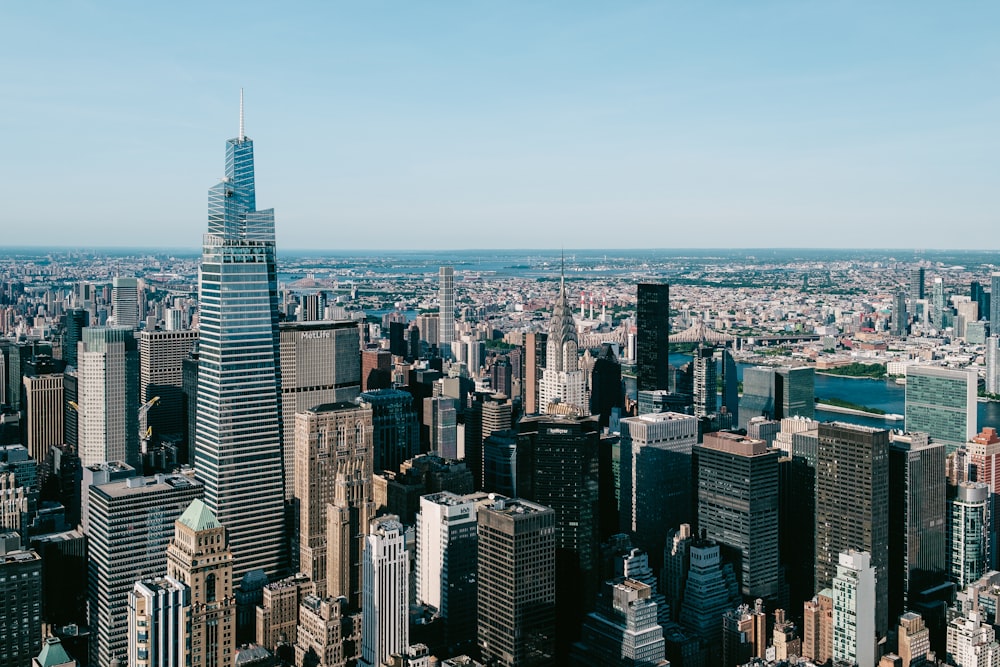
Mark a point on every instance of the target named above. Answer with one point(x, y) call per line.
point(562, 269)
point(242, 135)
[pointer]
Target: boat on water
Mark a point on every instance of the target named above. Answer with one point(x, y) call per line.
point(901, 381)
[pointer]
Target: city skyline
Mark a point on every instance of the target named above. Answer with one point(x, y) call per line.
point(771, 126)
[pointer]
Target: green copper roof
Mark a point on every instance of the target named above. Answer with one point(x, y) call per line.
point(198, 517)
point(53, 653)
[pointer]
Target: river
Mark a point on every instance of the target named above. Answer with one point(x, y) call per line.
point(882, 394)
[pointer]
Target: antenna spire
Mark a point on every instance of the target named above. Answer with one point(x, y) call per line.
point(242, 135)
point(562, 269)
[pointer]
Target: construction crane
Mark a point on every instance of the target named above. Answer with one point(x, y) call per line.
point(145, 430)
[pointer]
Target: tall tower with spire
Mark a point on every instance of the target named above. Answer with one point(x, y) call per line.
point(562, 380)
point(238, 453)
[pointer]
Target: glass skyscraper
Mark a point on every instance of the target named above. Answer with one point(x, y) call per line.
point(238, 433)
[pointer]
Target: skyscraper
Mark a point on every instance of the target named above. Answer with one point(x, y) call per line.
point(125, 302)
point(652, 335)
point(535, 347)
point(320, 363)
point(854, 633)
point(44, 400)
point(395, 427)
point(385, 606)
point(995, 303)
point(706, 396)
point(992, 361)
point(159, 616)
point(969, 533)
point(108, 396)
point(916, 518)
point(562, 380)
point(446, 303)
point(199, 557)
point(916, 283)
point(238, 452)
point(332, 448)
point(516, 583)
point(899, 314)
point(942, 403)
point(21, 592)
point(852, 505)
point(737, 480)
point(161, 360)
point(938, 314)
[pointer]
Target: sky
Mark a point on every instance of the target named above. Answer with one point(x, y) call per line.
point(542, 124)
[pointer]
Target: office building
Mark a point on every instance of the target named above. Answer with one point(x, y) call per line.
point(161, 362)
point(655, 474)
point(535, 349)
point(913, 639)
point(385, 607)
point(737, 490)
point(916, 291)
point(429, 325)
point(21, 610)
point(776, 393)
point(125, 302)
point(852, 504)
point(320, 364)
point(76, 320)
point(607, 392)
point(53, 655)
point(277, 616)
point(900, 318)
point(938, 314)
point(744, 633)
point(710, 590)
point(446, 304)
point(917, 511)
point(984, 466)
point(332, 453)
point(652, 336)
point(994, 303)
point(969, 533)
point(399, 493)
point(45, 403)
point(564, 474)
point(199, 557)
point(622, 630)
point(441, 421)
point(486, 414)
point(562, 380)
point(108, 392)
point(942, 403)
point(376, 369)
point(131, 523)
point(327, 633)
point(706, 397)
point(238, 452)
point(395, 427)
point(516, 576)
point(730, 385)
point(854, 629)
point(159, 615)
point(992, 361)
point(446, 560)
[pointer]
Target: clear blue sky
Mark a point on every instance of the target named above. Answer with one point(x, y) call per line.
point(507, 124)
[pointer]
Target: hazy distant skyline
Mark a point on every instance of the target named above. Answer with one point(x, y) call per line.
point(535, 125)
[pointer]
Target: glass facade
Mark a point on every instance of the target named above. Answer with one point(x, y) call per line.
point(238, 433)
point(942, 403)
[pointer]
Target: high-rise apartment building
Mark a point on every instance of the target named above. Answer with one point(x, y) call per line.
point(333, 466)
point(655, 477)
point(447, 549)
point(159, 616)
point(238, 452)
point(45, 403)
point(446, 304)
point(562, 380)
point(199, 557)
point(107, 396)
point(938, 313)
point(992, 360)
point(984, 463)
point(917, 510)
point(854, 605)
point(942, 403)
point(913, 638)
point(916, 283)
point(652, 336)
point(320, 364)
point(385, 597)
point(161, 362)
point(969, 533)
point(21, 610)
point(817, 627)
point(516, 607)
point(131, 522)
point(995, 303)
point(852, 504)
point(125, 302)
point(971, 642)
point(737, 480)
point(900, 317)
point(327, 633)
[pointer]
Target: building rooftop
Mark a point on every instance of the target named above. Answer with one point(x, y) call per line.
point(332, 407)
point(53, 653)
point(198, 517)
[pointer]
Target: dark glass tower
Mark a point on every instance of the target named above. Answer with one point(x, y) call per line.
point(238, 425)
point(652, 335)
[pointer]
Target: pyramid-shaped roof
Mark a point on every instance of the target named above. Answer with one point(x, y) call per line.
point(198, 517)
point(53, 653)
